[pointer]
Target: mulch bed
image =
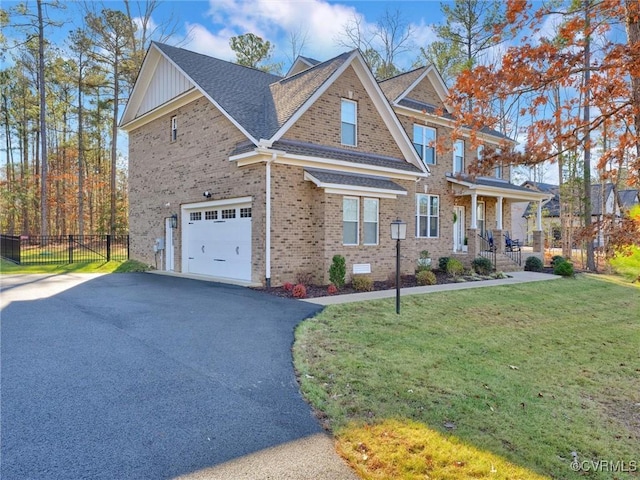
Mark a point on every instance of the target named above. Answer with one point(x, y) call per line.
point(314, 291)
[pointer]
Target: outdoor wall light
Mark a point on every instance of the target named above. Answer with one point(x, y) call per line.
point(174, 220)
point(398, 232)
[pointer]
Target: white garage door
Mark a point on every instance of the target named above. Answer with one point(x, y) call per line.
point(218, 241)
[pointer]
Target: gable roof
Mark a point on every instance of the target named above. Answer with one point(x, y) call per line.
point(300, 64)
point(628, 198)
point(394, 87)
point(260, 104)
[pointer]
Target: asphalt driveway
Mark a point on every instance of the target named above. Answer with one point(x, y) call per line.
point(143, 376)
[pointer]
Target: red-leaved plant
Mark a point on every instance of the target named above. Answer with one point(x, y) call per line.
point(332, 289)
point(299, 291)
point(288, 286)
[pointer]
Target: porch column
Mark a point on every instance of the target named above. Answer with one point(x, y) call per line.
point(499, 241)
point(474, 211)
point(499, 214)
point(473, 242)
point(539, 216)
point(538, 243)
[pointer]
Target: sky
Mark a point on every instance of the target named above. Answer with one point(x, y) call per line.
point(206, 26)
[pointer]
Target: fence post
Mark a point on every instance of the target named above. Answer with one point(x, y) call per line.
point(108, 248)
point(70, 248)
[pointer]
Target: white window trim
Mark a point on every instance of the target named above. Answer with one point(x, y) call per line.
point(357, 199)
point(458, 142)
point(377, 220)
point(428, 215)
point(174, 128)
point(424, 146)
point(355, 124)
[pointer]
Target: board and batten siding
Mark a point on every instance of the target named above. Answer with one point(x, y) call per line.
point(167, 83)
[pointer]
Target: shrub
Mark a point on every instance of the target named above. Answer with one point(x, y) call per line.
point(422, 268)
point(482, 265)
point(533, 264)
point(556, 259)
point(442, 263)
point(362, 283)
point(455, 267)
point(299, 291)
point(564, 268)
point(391, 280)
point(338, 271)
point(332, 289)
point(288, 286)
point(304, 278)
point(426, 277)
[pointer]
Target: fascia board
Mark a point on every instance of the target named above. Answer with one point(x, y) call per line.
point(342, 189)
point(173, 104)
point(326, 163)
point(205, 94)
point(147, 70)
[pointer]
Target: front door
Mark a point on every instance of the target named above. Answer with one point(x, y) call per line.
point(458, 228)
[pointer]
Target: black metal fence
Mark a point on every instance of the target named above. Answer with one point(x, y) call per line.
point(39, 249)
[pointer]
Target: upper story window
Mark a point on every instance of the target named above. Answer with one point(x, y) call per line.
point(174, 128)
point(497, 171)
point(427, 216)
point(458, 156)
point(348, 123)
point(424, 139)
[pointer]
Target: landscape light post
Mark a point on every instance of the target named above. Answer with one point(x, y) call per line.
point(398, 232)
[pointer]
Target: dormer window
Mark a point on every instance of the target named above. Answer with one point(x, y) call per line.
point(424, 139)
point(458, 156)
point(348, 128)
point(174, 128)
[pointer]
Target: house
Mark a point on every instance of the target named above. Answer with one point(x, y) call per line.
point(239, 174)
point(605, 201)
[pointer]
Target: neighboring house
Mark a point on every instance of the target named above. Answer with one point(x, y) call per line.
point(603, 203)
point(240, 174)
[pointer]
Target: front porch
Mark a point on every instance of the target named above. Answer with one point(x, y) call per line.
point(484, 204)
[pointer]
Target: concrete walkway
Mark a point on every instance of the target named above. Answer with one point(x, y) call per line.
point(514, 278)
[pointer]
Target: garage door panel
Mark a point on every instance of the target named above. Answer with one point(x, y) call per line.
point(220, 247)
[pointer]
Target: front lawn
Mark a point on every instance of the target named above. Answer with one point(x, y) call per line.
point(521, 381)
point(87, 267)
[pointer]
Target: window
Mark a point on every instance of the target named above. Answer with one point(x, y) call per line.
point(195, 216)
point(245, 212)
point(427, 216)
point(458, 156)
point(424, 142)
point(348, 116)
point(498, 166)
point(174, 128)
point(350, 220)
point(480, 217)
point(230, 213)
point(211, 215)
point(370, 221)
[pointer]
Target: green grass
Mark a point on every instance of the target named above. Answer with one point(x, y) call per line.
point(522, 374)
point(7, 267)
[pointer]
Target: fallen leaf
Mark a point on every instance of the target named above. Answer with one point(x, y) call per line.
point(513, 367)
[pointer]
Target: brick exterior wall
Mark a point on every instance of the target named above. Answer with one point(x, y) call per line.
point(321, 123)
point(306, 222)
point(177, 173)
point(424, 92)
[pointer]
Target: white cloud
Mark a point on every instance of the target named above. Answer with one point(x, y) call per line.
point(273, 20)
point(203, 41)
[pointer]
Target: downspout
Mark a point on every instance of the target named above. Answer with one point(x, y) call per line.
point(268, 221)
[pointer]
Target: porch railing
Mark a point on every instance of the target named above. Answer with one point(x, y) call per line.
point(514, 253)
point(487, 250)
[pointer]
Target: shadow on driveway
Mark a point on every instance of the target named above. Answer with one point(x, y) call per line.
point(145, 376)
